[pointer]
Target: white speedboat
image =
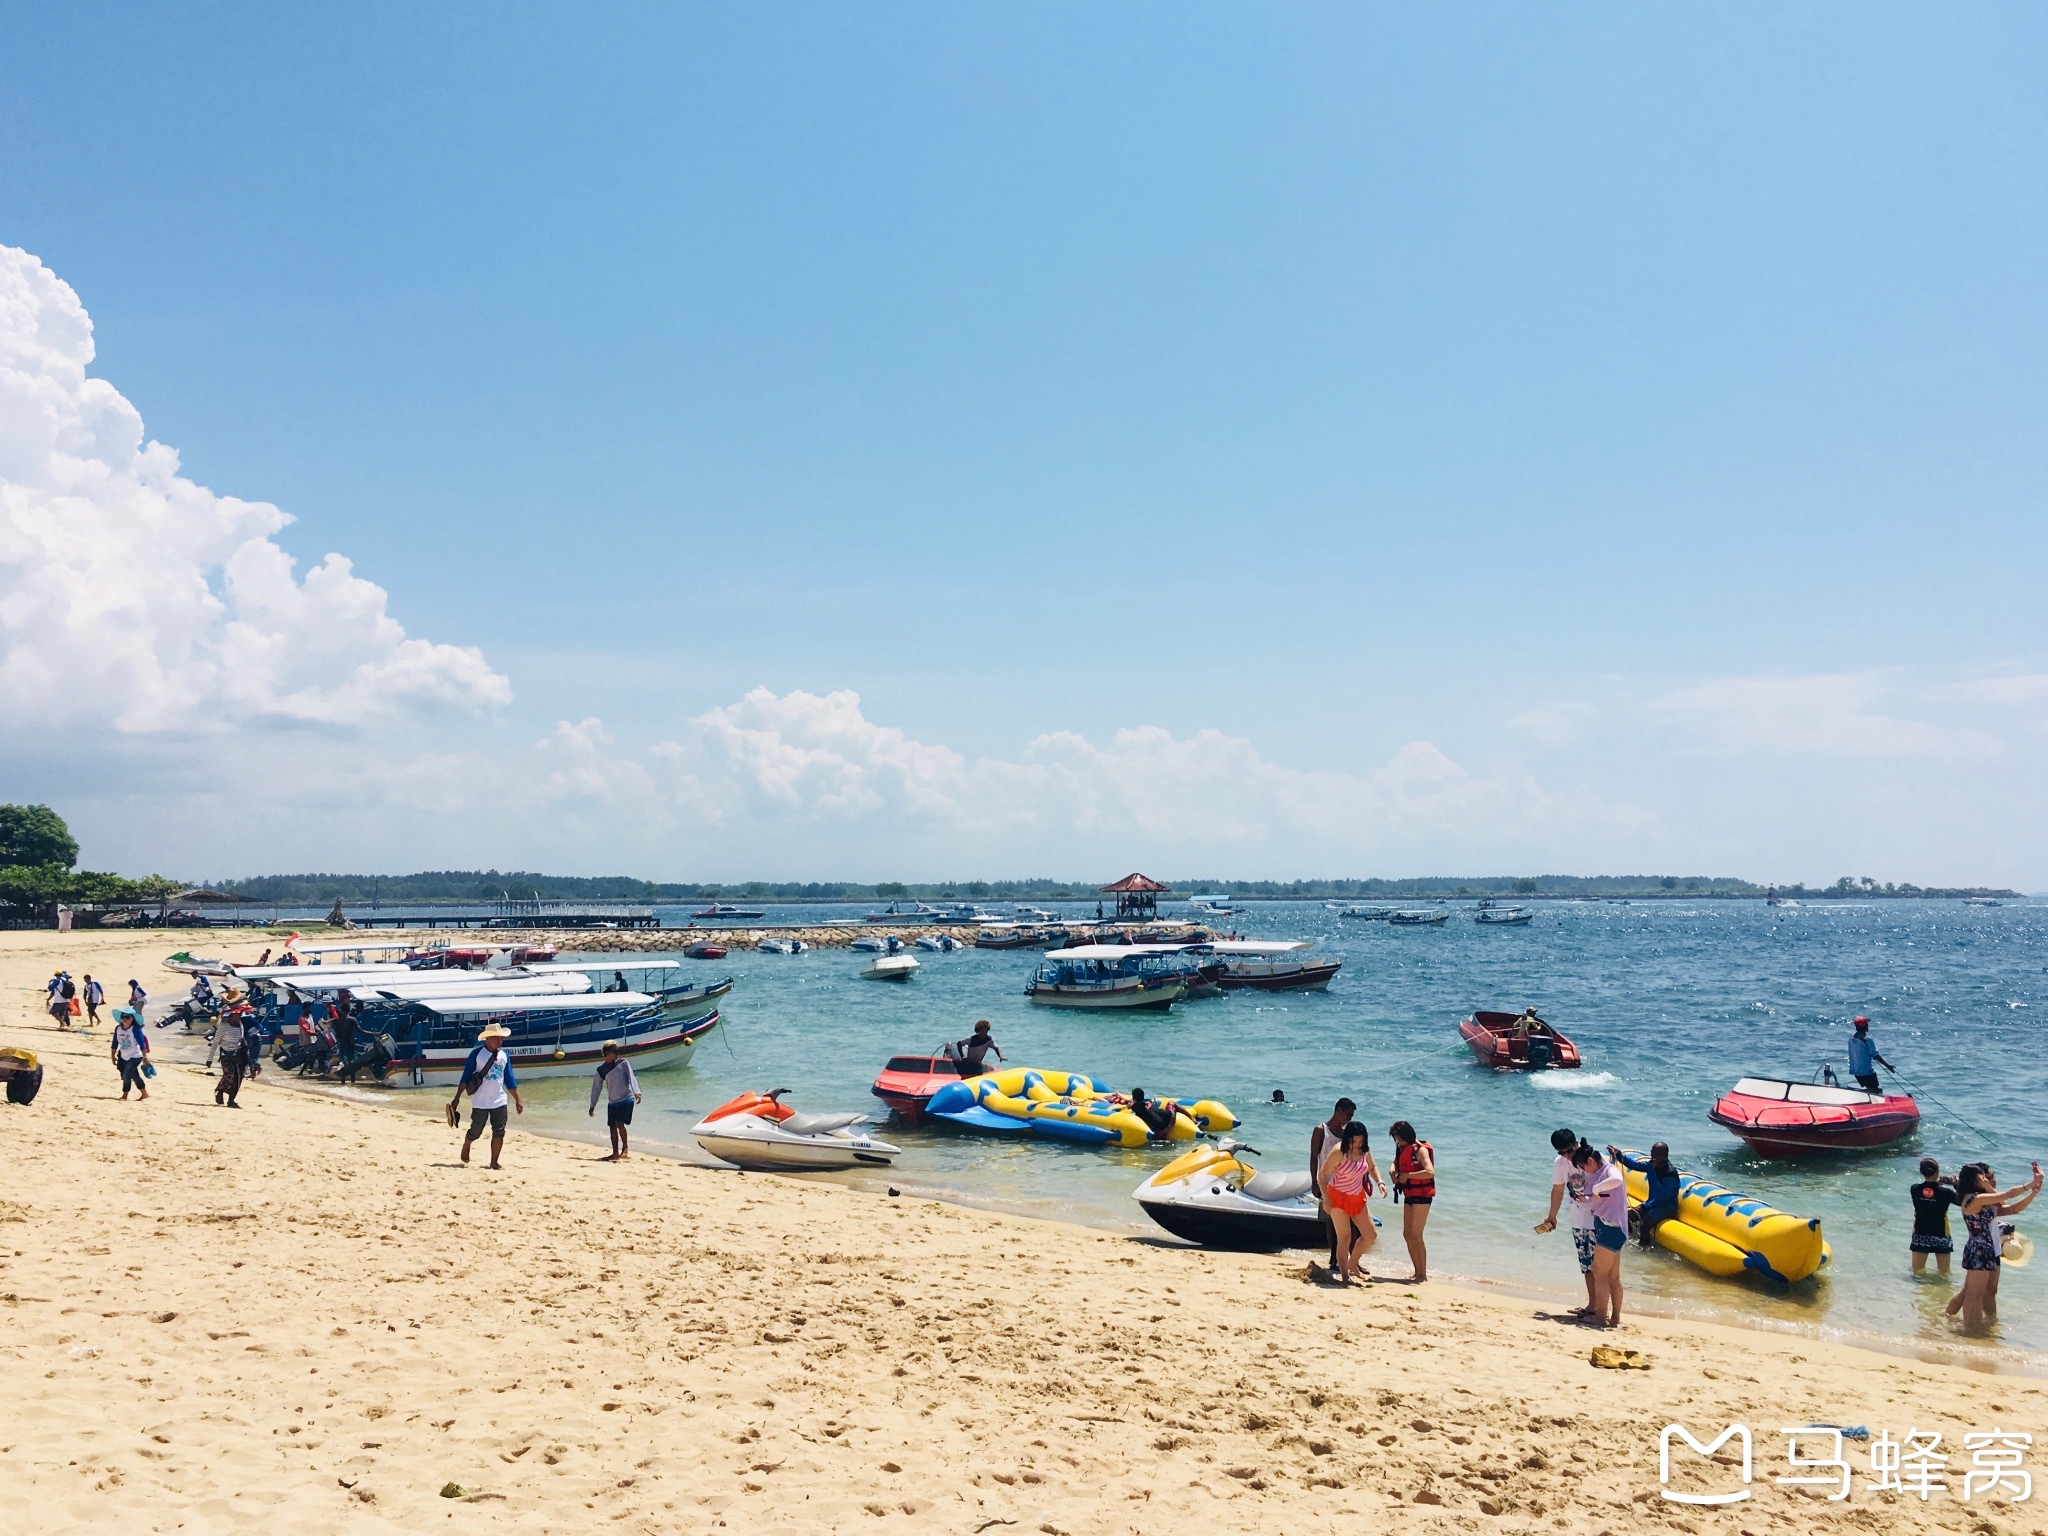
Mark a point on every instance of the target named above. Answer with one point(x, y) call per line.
point(756, 1130)
point(1213, 1197)
point(869, 943)
point(939, 943)
point(782, 946)
point(1216, 905)
point(890, 968)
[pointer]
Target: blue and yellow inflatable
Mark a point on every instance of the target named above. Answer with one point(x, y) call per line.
point(1024, 1101)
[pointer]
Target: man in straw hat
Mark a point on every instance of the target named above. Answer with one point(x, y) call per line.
point(487, 1079)
point(621, 1090)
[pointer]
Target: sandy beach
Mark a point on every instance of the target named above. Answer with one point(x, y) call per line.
point(307, 1315)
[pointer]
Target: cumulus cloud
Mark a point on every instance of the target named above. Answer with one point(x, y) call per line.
point(133, 598)
point(796, 769)
point(1833, 713)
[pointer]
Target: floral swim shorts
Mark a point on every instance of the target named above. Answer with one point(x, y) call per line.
point(1582, 1240)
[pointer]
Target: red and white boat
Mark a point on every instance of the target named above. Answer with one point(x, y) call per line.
point(705, 951)
point(1780, 1119)
point(906, 1084)
point(1491, 1037)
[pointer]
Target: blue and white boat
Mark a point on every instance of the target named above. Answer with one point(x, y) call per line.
point(552, 1035)
point(1114, 976)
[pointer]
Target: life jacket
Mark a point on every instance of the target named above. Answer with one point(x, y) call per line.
point(1408, 1160)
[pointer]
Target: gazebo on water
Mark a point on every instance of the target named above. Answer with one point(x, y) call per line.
point(1137, 898)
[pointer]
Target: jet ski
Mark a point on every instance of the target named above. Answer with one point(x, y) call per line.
point(1213, 1197)
point(757, 1130)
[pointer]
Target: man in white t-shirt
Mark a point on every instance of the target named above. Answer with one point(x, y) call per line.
point(488, 1080)
point(1567, 1182)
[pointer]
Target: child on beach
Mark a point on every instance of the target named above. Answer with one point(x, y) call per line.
point(621, 1090)
point(1347, 1176)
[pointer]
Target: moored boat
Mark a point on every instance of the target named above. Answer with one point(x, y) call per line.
point(553, 1035)
point(1264, 965)
point(1784, 1119)
point(705, 951)
point(716, 910)
point(1495, 1041)
point(1503, 917)
point(906, 1083)
point(1111, 976)
point(890, 968)
point(1422, 918)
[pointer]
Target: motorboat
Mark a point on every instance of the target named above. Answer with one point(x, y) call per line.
point(1035, 915)
point(1419, 918)
point(715, 910)
point(782, 946)
point(890, 968)
point(1494, 1041)
point(969, 916)
point(705, 951)
point(1008, 936)
point(757, 1130)
point(1212, 1196)
point(197, 965)
point(939, 943)
point(662, 978)
point(1264, 965)
point(1362, 914)
point(1112, 976)
point(1216, 905)
point(551, 1034)
point(1982, 901)
point(1783, 1119)
point(906, 1083)
point(916, 912)
point(1503, 917)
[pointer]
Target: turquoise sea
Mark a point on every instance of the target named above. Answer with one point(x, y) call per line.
point(1669, 1002)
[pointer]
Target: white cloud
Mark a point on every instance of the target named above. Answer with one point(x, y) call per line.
point(132, 598)
point(1830, 713)
point(1554, 726)
point(784, 775)
point(2029, 688)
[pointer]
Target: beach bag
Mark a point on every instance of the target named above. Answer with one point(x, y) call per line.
point(72, 1008)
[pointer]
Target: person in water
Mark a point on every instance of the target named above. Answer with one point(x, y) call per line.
point(1932, 1197)
point(1660, 1202)
point(1158, 1114)
point(1568, 1183)
point(1324, 1136)
point(1606, 1197)
point(1983, 1205)
point(1347, 1176)
point(1864, 1059)
point(973, 1051)
point(1415, 1188)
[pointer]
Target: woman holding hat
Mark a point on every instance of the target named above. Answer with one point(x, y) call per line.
point(488, 1080)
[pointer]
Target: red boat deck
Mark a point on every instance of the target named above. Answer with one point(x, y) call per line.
point(1781, 1119)
point(1490, 1037)
point(907, 1083)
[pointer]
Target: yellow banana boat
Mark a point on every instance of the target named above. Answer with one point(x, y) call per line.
point(1730, 1234)
point(1065, 1105)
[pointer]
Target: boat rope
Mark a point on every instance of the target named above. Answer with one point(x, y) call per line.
point(1919, 1093)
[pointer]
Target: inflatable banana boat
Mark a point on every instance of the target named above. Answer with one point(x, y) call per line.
point(1068, 1106)
point(1729, 1234)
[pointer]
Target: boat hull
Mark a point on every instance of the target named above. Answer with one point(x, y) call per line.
point(1238, 1230)
point(661, 1042)
point(1153, 997)
point(1301, 978)
point(818, 1154)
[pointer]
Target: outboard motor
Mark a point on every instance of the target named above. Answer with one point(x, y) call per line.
point(1542, 1050)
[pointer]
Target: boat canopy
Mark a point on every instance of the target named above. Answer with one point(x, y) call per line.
point(1247, 946)
point(563, 967)
point(423, 990)
point(1116, 952)
point(463, 1007)
point(350, 949)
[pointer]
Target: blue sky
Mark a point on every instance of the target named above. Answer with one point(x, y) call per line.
point(1638, 408)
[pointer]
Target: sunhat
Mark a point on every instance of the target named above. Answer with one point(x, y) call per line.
point(2016, 1250)
point(495, 1032)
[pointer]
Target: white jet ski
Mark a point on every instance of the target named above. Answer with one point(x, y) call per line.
point(756, 1130)
point(1213, 1197)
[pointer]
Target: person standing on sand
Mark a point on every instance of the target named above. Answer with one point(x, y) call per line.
point(1324, 1135)
point(1415, 1188)
point(1606, 1196)
point(1983, 1204)
point(621, 1090)
point(488, 1079)
point(1348, 1175)
point(137, 998)
point(95, 994)
point(131, 1050)
point(1932, 1197)
point(1864, 1059)
point(61, 993)
point(231, 1042)
point(1567, 1183)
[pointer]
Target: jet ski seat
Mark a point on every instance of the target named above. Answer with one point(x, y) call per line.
point(817, 1125)
point(1277, 1186)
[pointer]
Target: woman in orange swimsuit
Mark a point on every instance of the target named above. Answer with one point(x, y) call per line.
point(1347, 1176)
point(1415, 1186)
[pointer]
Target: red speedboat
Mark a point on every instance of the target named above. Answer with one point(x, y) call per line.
point(907, 1083)
point(1780, 1119)
point(705, 952)
point(1491, 1037)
